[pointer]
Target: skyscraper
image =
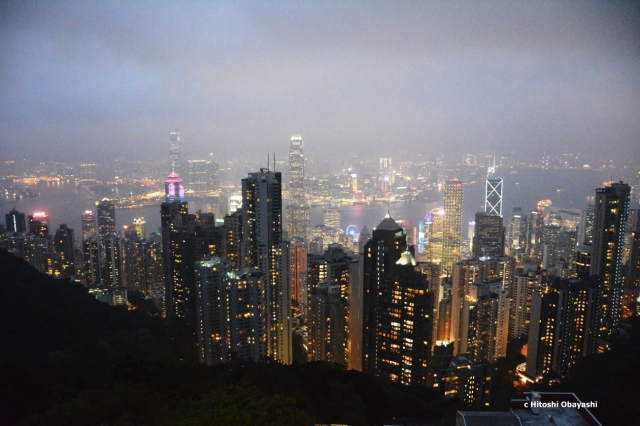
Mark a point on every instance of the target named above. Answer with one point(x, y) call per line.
point(106, 218)
point(88, 225)
point(65, 246)
point(298, 217)
point(397, 308)
point(230, 312)
point(16, 221)
point(174, 151)
point(262, 247)
point(611, 211)
point(493, 193)
point(488, 236)
point(452, 224)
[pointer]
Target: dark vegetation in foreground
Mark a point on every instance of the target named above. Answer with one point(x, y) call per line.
point(66, 358)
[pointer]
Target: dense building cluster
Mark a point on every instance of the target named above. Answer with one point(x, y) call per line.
point(416, 304)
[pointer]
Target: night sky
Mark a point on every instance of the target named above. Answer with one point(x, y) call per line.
point(84, 80)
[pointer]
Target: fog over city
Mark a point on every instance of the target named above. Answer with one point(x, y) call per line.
point(88, 81)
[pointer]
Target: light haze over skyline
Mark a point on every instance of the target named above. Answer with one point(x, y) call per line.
point(87, 80)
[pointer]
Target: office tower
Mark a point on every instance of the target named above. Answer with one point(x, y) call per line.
point(174, 214)
point(452, 225)
point(87, 173)
point(15, 221)
point(262, 247)
point(298, 213)
point(199, 177)
point(488, 236)
point(516, 239)
point(139, 225)
point(64, 245)
point(88, 220)
point(332, 218)
point(397, 308)
point(106, 218)
point(611, 211)
point(298, 268)
point(173, 189)
point(493, 193)
point(296, 171)
point(385, 163)
point(564, 326)
point(174, 151)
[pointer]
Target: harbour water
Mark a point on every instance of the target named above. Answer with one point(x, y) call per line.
point(65, 202)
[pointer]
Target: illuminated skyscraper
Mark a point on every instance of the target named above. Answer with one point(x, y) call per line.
point(493, 193)
point(298, 217)
point(230, 312)
point(139, 225)
point(173, 189)
point(452, 224)
point(39, 224)
point(106, 218)
point(611, 212)
point(16, 221)
point(262, 247)
point(296, 171)
point(298, 268)
point(397, 308)
point(488, 236)
point(65, 246)
point(174, 151)
point(88, 225)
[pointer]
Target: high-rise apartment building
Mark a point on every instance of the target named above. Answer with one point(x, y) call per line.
point(230, 312)
point(564, 326)
point(610, 219)
point(262, 247)
point(452, 224)
point(397, 308)
point(330, 280)
point(64, 245)
point(298, 269)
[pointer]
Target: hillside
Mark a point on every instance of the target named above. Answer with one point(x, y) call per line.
point(66, 358)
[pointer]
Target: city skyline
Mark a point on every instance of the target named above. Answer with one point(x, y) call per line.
point(106, 80)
